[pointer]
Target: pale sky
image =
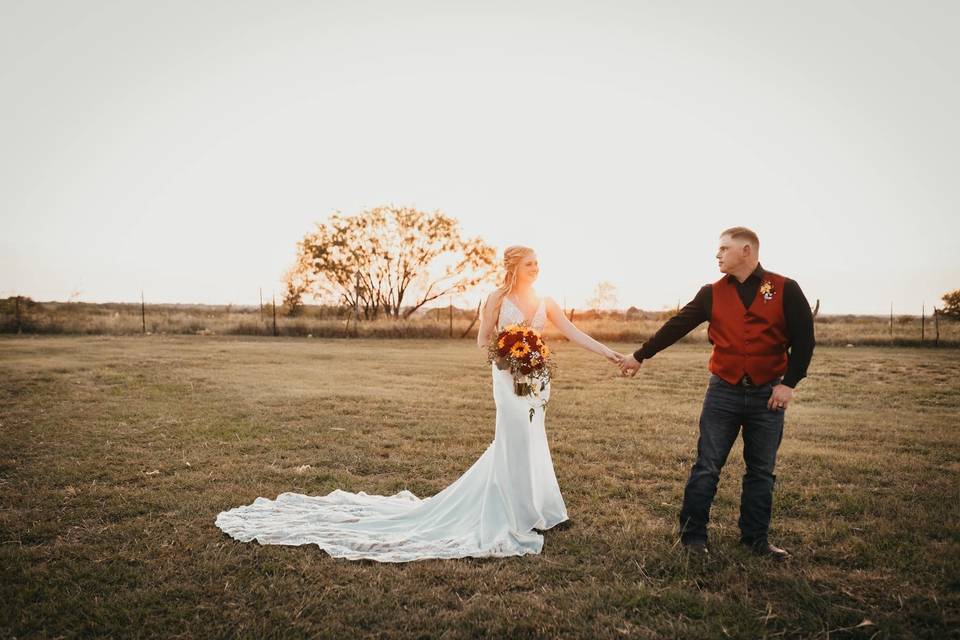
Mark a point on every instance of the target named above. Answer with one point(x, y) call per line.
point(183, 148)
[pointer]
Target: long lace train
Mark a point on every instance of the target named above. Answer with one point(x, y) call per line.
point(490, 510)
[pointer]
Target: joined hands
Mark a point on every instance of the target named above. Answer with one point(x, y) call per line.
point(627, 364)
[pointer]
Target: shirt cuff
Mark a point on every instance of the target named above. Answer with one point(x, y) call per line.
point(638, 355)
point(789, 381)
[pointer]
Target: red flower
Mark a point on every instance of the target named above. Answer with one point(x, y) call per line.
point(511, 339)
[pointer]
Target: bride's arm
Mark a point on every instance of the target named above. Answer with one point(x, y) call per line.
point(579, 338)
point(488, 323)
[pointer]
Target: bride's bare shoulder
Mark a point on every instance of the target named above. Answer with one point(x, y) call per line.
point(493, 300)
point(495, 296)
point(552, 308)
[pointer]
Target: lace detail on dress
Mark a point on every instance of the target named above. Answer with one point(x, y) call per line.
point(513, 315)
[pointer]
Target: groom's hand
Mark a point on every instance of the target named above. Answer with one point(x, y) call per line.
point(629, 366)
point(780, 398)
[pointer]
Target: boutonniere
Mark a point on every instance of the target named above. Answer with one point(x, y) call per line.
point(767, 290)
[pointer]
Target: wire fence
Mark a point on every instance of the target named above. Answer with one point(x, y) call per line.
point(21, 315)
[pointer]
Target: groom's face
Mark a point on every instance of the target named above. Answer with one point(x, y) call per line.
point(732, 254)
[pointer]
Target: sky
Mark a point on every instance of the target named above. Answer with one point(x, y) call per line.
point(183, 148)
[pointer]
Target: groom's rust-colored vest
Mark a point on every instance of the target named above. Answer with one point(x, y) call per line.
point(750, 341)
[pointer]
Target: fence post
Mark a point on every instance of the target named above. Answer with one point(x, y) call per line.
point(143, 313)
point(356, 306)
point(275, 334)
point(923, 321)
point(451, 316)
point(891, 320)
point(936, 326)
point(261, 305)
point(19, 327)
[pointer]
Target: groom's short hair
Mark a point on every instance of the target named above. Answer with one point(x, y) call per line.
point(742, 233)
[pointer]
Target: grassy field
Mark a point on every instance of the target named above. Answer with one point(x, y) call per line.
point(116, 454)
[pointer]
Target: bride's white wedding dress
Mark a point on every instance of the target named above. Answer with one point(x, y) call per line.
point(491, 510)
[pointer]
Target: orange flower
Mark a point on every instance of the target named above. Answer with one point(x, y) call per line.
point(519, 350)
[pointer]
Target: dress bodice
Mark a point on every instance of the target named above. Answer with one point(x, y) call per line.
point(510, 313)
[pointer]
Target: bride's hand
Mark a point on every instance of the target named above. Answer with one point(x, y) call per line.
point(612, 356)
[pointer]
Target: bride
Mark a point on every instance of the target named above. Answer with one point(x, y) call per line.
point(491, 510)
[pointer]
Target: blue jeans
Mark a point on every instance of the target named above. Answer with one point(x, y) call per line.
point(726, 408)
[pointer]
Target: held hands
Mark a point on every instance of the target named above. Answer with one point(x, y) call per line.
point(780, 398)
point(612, 355)
point(627, 364)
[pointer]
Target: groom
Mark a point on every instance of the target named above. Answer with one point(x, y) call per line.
point(761, 329)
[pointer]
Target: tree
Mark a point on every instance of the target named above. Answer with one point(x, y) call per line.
point(605, 295)
point(324, 261)
point(297, 285)
point(951, 304)
point(388, 259)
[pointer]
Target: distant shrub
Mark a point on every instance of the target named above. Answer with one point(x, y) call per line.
point(951, 304)
point(19, 313)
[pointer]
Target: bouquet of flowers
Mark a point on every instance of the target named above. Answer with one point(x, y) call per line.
point(520, 350)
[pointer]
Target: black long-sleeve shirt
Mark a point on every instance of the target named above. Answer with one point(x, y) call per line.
point(796, 310)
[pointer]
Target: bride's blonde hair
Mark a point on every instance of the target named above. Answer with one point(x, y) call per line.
point(512, 257)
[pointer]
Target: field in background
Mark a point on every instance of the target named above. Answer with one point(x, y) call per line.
point(116, 454)
point(633, 325)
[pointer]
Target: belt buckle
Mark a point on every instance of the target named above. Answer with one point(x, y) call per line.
point(746, 381)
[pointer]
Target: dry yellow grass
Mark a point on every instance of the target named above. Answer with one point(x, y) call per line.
point(118, 452)
point(332, 322)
